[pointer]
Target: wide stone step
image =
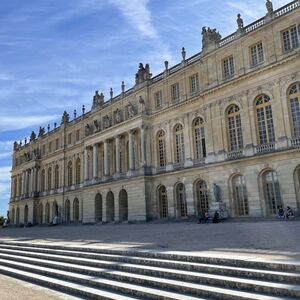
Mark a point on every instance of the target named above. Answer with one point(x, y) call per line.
point(208, 292)
point(133, 264)
point(64, 286)
point(162, 282)
point(182, 257)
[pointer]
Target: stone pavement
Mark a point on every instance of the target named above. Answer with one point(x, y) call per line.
point(14, 289)
point(250, 240)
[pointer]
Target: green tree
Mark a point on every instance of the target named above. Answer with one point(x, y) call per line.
point(1, 220)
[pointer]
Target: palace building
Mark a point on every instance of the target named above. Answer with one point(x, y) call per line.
point(227, 117)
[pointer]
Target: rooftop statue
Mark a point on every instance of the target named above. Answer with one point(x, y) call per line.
point(142, 74)
point(32, 136)
point(41, 131)
point(98, 100)
point(16, 146)
point(269, 6)
point(65, 118)
point(210, 39)
point(240, 22)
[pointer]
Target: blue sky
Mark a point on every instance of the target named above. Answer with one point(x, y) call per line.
point(54, 54)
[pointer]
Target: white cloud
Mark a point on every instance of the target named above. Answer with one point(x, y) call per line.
point(5, 149)
point(16, 122)
point(138, 15)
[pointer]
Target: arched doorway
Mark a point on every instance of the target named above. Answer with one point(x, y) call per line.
point(26, 214)
point(123, 206)
point(47, 213)
point(18, 216)
point(54, 210)
point(181, 200)
point(12, 216)
point(40, 213)
point(110, 207)
point(98, 208)
point(162, 202)
point(76, 210)
point(67, 211)
point(240, 197)
point(271, 192)
point(202, 197)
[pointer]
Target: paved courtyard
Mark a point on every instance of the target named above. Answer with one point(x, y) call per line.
point(262, 240)
point(273, 239)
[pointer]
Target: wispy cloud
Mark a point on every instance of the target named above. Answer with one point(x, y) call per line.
point(5, 149)
point(4, 186)
point(138, 15)
point(19, 122)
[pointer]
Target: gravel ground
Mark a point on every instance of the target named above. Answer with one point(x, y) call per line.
point(14, 289)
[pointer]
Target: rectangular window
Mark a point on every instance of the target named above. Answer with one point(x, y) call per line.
point(290, 39)
point(57, 144)
point(44, 150)
point(228, 67)
point(50, 147)
point(70, 138)
point(194, 83)
point(257, 54)
point(77, 135)
point(158, 99)
point(175, 92)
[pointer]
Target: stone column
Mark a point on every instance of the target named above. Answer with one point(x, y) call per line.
point(26, 182)
point(23, 183)
point(130, 150)
point(106, 171)
point(169, 147)
point(143, 153)
point(32, 179)
point(95, 161)
point(187, 142)
point(86, 165)
point(190, 199)
point(117, 139)
point(171, 203)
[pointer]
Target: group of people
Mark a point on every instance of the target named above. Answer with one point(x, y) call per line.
point(284, 213)
point(205, 217)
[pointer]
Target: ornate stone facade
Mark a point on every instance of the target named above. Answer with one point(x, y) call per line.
point(223, 125)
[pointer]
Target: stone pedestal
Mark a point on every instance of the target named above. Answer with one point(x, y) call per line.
point(220, 207)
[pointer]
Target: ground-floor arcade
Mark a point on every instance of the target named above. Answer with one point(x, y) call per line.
point(249, 187)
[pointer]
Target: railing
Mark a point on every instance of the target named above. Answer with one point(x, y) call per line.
point(264, 148)
point(295, 143)
point(227, 40)
point(255, 25)
point(286, 9)
point(234, 154)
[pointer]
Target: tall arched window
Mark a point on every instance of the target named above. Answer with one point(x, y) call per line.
point(43, 180)
point(56, 177)
point(202, 197)
point(78, 168)
point(15, 187)
point(181, 200)
point(199, 139)
point(163, 202)
point(264, 119)
point(49, 178)
point(161, 148)
point(179, 143)
point(234, 127)
point(240, 196)
point(76, 210)
point(294, 97)
point(272, 191)
point(20, 185)
point(70, 173)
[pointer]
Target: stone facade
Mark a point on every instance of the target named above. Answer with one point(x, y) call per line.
point(226, 118)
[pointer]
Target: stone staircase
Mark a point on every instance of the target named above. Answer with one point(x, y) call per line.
point(93, 273)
